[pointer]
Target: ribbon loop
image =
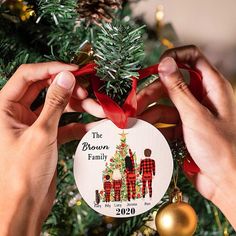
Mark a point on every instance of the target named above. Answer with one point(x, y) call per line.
point(119, 115)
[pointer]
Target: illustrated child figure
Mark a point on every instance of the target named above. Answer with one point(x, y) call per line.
point(130, 175)
point(107, 187)
point(117, 182)
point(147, 170)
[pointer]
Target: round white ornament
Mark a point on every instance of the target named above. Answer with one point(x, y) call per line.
point(123, 172)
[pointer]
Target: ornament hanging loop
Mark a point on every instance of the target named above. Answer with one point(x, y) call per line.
point(176, 195)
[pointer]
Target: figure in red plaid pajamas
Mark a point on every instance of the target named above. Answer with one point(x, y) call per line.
point(107, 187)
point(117, 182)
point(130, 175)
point(147, 170)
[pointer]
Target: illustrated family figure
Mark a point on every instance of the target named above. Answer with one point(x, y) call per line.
point(116, 184)
point(146, 170)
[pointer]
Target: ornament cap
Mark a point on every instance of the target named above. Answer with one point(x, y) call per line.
point(176, 195)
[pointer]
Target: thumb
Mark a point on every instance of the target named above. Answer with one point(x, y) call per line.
point(177, 89)
point(57, 98)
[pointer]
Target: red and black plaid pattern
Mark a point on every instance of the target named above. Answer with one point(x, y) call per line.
point(117, 187)
point(107, 188)
point(130, 184)
point(147, 169)
point(147, 166)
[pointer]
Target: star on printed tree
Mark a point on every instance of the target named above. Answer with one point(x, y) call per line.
point(123, 136)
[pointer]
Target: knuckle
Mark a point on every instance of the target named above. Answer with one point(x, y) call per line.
point(25, 70)
point(194, 50)
point(169, 53)
point(22, 67)
point(57, 99)
point(224, 85)
point(179, 86)
point(193, 47)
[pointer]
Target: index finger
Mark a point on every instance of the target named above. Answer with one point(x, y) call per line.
point(27, 74)
point(192, 56)
point(189, 54)
point(214, 84)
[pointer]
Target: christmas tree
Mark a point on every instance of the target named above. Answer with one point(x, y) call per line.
point(83, 31)
point(117, 162)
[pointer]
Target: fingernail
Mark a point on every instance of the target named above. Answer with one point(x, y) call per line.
point(167, 66)
point(65, 79)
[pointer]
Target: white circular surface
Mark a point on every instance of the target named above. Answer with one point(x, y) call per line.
point(89, 166)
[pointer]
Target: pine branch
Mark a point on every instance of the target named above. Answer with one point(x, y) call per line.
point(119, 50)
point(57, 11)
point(14, 51)
point(63, 36)
point(65, 42)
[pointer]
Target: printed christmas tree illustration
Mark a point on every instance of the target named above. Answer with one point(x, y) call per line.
point(116, 169)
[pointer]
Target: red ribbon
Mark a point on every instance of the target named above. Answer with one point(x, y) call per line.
point(189, 166)
point(119, 115)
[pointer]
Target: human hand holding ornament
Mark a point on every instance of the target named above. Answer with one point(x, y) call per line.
point(29, 141)
point(208, 126)
point(35, 134)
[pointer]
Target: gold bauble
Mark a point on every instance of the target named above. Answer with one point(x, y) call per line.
point(176, 219)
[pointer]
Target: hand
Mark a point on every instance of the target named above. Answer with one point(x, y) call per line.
point(209, 127)
point(29, 142)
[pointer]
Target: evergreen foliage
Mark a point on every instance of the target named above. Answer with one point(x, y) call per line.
point(119, 50)
point(56, 32)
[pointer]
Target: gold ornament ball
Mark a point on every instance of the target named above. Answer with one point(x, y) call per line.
point(176, 219)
